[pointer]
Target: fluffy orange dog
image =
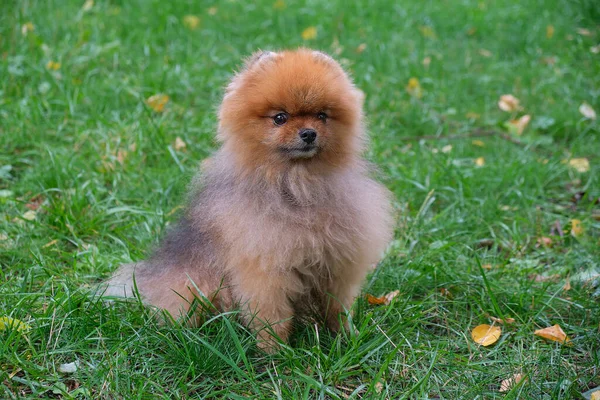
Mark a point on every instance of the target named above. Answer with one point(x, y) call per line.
point(285, 214)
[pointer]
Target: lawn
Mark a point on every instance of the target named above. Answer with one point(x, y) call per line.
point(492, 223)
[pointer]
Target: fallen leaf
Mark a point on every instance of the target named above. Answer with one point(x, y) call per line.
point(544, 278)
point(309, 33)
point(544, 241)
point(584, 32)
point(191, 22)
point(554, 333)
point(508, 103)
point(426, 61)
point(447, 148)
point(446, 293)
point(35, 202)
point(549, 31)
point(567, 285)
point(587, 111)
point(472, 115)
point(361, 47)
point(595, 49)
point(580, 164)
point(503, 321)
point(517, 126)
point(595, 395)
point(88, 5)
point(13, 323)
point(68, 368)
point(279, 5)
point(485, 53)
point(26, 28)
point(121, 156)
point(378, 387)
point(213, 11)
point(480, 161)
point(29, 215)
point(179, 144)
point(427, 32)
point(507, 384)
point(53, 242)
point(3, 237)
point(576, 228)
point(386, 299)
point(472, 31)
point(478, 143)
point(414, 88)
point(157, 102)
point(486, 335)
point(53, 65)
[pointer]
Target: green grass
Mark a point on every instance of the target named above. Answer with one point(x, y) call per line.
point(61, 134)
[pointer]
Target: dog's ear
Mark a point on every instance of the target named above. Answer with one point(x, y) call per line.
point(322, 56)
point(259, 57)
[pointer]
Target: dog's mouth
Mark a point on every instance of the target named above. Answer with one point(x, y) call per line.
point(306, 151)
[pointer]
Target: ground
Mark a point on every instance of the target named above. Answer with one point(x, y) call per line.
point(492, 222)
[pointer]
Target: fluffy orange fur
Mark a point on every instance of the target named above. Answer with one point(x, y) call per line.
point(275, 224)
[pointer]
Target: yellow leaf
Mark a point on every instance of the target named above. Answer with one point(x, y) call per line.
point(486, 266)
point(549, 31)
point(478, 143)
point(595, 395)
point(508, 103)
point(427, 32)
point(414, 88)
point(480, 161)
point(191, 22)
point(509, 383)
point(213, 11)
point(580, 164)
point(309, 33)
point(53, 65)
point(26, 28)
point(518, 125)
point(576, 228)
point(587, 111)
point(157, 102)
point(179, 144)
point(486, 335)
point(50, 243)
point(13, 323)
point(554, 333)
point(279, 5)
point(386, 299)
point(447, 148)
point(503, 321)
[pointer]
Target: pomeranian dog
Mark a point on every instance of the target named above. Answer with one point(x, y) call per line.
point(284, 217)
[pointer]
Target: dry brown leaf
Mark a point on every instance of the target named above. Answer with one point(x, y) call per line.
point(361, 47)
point(567, 285)
point(508, 103)
point(544, 241)
point(50, 243)
point(544, 278)
point(378, 387)
point(554, 333)
point(503, 321)
point(576, 228)
point(485, 334)
point(179, 144)
point(446, 293)
point(507, 384)
point(587, 111)
point(121, 156)
point(518, 125)
point(486, 266)
point(309, 33)
point(35, 202)
point(385, 299)
point(157, 102)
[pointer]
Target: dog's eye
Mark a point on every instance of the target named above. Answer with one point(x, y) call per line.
point(322, 116)
point(280, 118)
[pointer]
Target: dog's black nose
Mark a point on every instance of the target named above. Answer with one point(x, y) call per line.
point(308, 135)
